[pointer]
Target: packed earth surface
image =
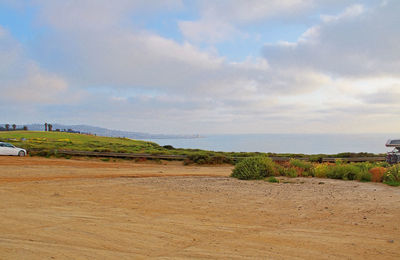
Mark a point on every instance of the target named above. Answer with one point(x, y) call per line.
point(93, 209)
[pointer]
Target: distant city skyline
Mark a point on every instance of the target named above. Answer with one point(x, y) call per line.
point(207, 67)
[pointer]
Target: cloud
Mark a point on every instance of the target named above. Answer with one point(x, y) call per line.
point(221, 20)
point(358, 42)
point(227, 20)
point(388, 97)
point(22, 80)
point(130, 59)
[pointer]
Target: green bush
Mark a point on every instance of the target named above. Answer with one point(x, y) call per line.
point(169, 147)
point(207, 159)
point(392, 175)
point(198, 158)
point(307, 168)
point(315, 158)
point(288, 172)
point(344, 172)
point(254, 168)
point(382, 164)
point(321, 170)
point(365, 166)
point(220, 159)
point(364, 175)
point(272, 179)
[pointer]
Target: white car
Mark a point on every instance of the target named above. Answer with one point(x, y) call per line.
point(9, 149)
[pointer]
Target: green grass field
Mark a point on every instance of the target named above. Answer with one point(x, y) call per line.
point(45, 143)
point(37, 140)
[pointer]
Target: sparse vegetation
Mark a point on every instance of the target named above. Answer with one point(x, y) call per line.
point(364, 172)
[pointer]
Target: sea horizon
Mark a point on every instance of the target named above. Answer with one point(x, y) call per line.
point(285, 143)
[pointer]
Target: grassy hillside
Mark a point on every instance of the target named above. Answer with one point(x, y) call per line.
point(44, 143)
point(37, 140)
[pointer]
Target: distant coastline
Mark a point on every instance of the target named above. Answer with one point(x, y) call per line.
point(109, 132)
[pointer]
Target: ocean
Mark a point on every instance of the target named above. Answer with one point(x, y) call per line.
point(286, 143)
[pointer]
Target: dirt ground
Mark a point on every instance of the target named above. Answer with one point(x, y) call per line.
point(79, 209)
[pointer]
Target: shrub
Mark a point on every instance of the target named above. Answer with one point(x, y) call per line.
point(288, 172)
point(377, 173)
point(220, 159)
point(254, 168)
point(394, 183)
point(383, 164)
point(272, 179)
point(303, 168)
point(315, 158)
point(321, 170)
point(343, 171)
point(169, 147)
point(206, 159)
point(198, 158)
point(392, 175)
point(364, 176)
point(365, 166)
point(339, 162)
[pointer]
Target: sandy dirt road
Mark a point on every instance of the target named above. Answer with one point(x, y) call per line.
point(70, 209)
point(17, 169)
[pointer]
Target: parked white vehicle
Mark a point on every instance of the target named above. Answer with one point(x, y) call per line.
point(9, 149)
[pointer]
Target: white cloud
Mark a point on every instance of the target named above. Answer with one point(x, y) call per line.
point(356, 43)
point(22, 80)
point(226, 20)
point(220, 20)
point(351, 11)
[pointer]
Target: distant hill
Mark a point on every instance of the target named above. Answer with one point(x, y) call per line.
point(107, 132)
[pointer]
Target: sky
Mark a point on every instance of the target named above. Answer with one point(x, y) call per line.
point(202, 66)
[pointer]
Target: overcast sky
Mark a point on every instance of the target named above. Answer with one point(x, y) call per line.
point(206, 66)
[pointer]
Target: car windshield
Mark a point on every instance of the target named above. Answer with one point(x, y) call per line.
point(8, 145)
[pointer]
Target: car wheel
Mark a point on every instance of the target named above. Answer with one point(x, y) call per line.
point(21, 153)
